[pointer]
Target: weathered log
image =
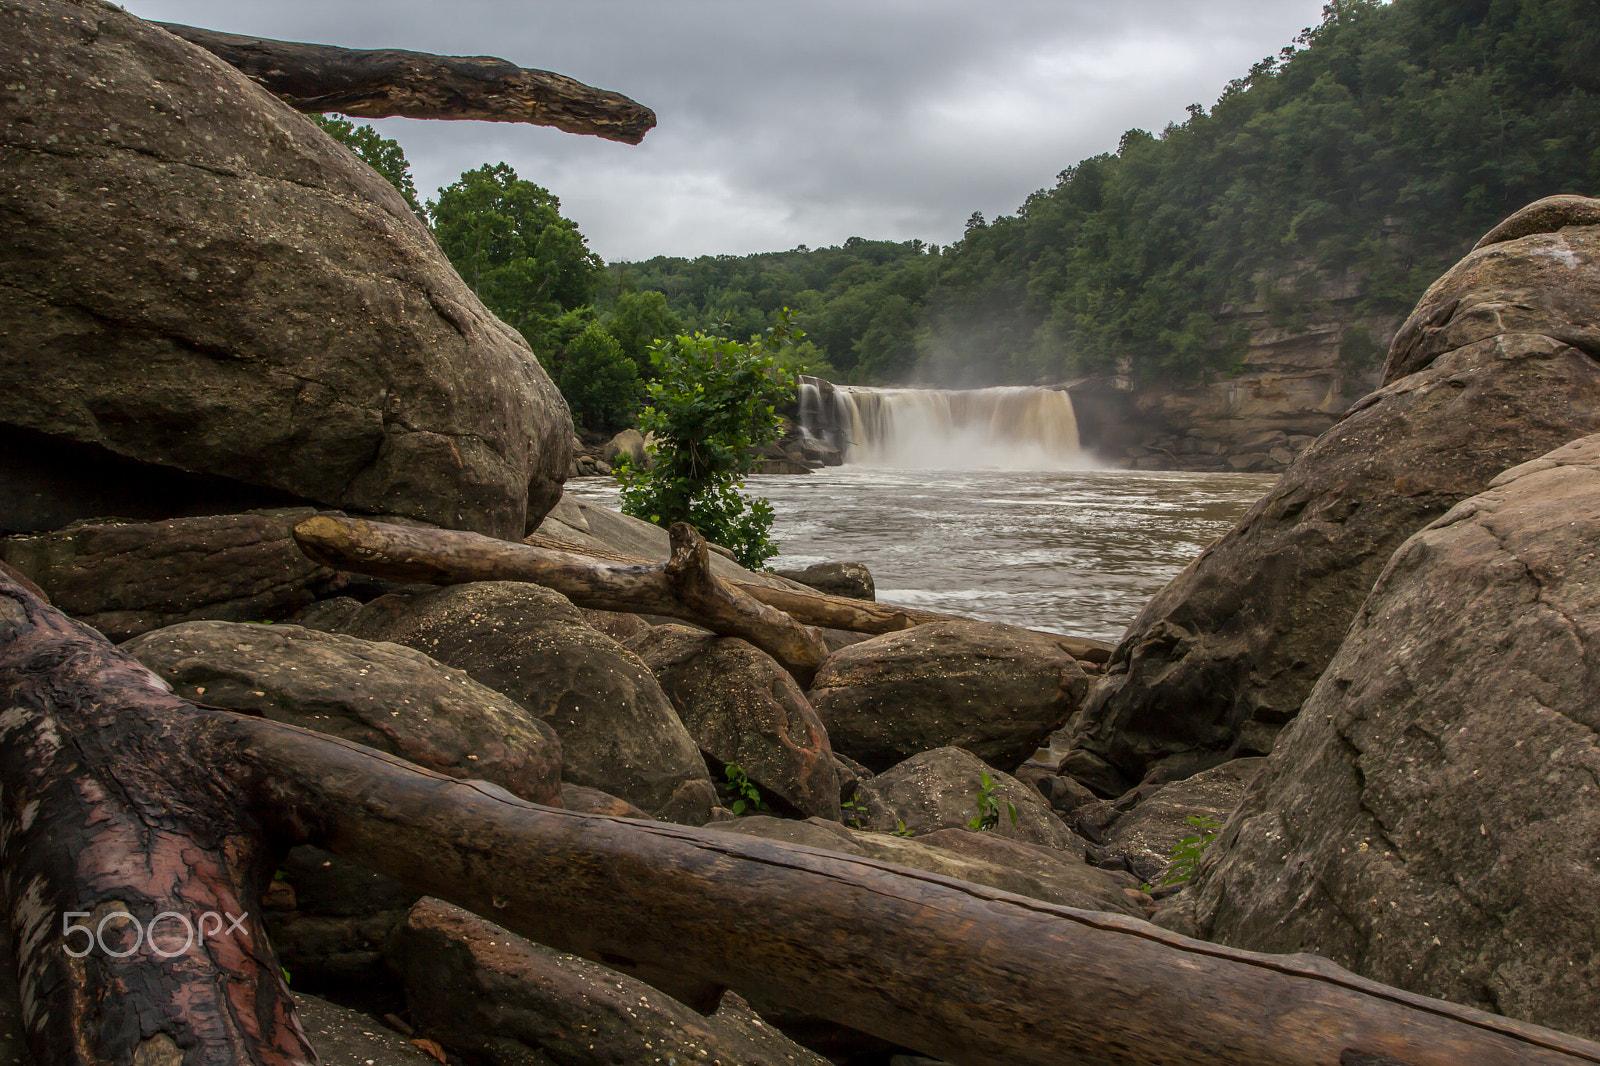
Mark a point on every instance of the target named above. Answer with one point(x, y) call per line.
point(683, 587)
point(379, 83)
point(452, 557)
point(132, 774)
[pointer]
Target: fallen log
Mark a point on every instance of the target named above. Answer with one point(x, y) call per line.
point(111, 780)
point(455, 557)
point(683, 587)
point(379, 83)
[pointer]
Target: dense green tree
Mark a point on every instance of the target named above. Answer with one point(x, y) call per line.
point(382, 154)
point(713, 403)
point(508, 240)
point(599, 381)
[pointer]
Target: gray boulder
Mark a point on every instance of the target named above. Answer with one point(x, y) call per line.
point(506, 1001)
point(1431, 819)
point(941, 789)
point(125, 578)
point(995, 690)
point(742, 708)
point(619, 733)
point(1496, 366)
point(292, 331)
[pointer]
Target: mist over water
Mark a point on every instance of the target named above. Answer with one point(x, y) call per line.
point(1070, 551)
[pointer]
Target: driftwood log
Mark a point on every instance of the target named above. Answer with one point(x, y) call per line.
point(121, 798)
point(383, 82)
point(683, 587)
point(452, 557)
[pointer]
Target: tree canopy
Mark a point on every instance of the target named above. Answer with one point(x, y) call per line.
point(508, 240)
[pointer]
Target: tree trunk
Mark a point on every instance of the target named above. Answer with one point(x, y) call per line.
point(684, 587)
point(384, 82)
point(121, 796)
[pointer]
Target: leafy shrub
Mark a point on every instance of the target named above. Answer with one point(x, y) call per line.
point(1186, 856)
point(713, 403)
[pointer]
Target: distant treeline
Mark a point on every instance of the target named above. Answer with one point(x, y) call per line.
point(1382, 142)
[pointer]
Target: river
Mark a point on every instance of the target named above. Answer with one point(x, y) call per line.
point(1069, 551)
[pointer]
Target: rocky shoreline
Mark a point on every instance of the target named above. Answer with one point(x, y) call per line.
point(1379, 687)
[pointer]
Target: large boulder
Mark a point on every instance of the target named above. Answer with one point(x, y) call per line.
point(995, 690)
point(743, 709)
point(619, 733)
point(1496, 366)
point(291, 328)
point(390, 698)
point(506, 1001)
point(125, 578)
point(1431, 820)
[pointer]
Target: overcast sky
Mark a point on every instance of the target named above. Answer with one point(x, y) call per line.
point(785, 122)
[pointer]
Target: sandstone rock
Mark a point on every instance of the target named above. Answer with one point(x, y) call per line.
point(940, 789)
point(386, 697)
point(1010, 865)
point(836, 579)
point(992, 689)
point(618, 731)
point(1246, 629)
point(484, 992)
point(742, 708)
point(1431, 820)
point(291, 329)
point(593, 801)
point(124, 578)
point(1148, 834)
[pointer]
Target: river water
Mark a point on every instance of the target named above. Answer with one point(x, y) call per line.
point(1069, 551)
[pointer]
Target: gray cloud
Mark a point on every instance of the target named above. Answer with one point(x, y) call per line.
point(801, 122)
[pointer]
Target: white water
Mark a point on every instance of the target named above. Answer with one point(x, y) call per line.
point(1076, 551)
point(1008, 428)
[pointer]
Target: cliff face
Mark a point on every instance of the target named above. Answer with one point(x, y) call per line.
point(1303, 365)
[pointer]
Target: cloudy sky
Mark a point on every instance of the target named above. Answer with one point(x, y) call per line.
point(785, 122)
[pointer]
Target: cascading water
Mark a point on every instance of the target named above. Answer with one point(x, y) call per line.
point(1006, 428)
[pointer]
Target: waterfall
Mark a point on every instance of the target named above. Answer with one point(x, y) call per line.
point(1008, 428)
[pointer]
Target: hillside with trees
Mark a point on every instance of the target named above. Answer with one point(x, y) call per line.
point(1381, 143)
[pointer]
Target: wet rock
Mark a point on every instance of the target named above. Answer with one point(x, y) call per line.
point(836, 579)
point(1495, 367)
point(1431, 819)
point(618, 731)
point(125, 578)
point(506, 1001)
point(992, 689)
point(941, 789)
point(292, 328)
point(743, 709)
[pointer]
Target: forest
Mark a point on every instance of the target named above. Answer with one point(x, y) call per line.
point(1376, 147)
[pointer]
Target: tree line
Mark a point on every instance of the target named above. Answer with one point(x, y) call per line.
point(1377, 146)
